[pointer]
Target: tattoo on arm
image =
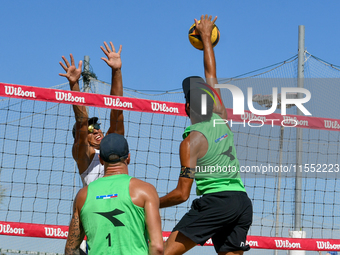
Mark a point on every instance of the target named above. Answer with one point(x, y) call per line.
point(75, 236)
point(187, 172)
point(70, 251)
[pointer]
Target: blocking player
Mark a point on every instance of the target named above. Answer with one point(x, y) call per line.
point(86, 131)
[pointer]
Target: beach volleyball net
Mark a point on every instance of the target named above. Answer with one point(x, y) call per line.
point(39, 178)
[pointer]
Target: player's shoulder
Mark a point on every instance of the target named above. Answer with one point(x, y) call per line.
point(142, 192)
point(193, 139)
point(142, 185)
point(82, 192)
point(81, 197)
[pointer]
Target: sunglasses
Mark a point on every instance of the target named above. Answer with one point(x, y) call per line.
point(92, 127)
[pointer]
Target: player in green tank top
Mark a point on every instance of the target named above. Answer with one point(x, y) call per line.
point(208, 155)
point(118, 214)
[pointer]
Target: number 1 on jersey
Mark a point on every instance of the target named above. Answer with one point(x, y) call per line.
point(109, 239)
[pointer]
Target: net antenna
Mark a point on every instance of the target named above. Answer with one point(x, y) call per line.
point(267, 101)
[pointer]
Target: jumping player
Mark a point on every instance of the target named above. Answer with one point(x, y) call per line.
point(207, 154)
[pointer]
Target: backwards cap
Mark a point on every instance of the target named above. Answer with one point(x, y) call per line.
point(114, 144)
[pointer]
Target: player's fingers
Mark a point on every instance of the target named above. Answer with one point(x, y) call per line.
point(196, 22)
point(214, 19)
point(210, 17)
point(80, 64)
point(105, 59)
point(120, 49)
point(104, 50)
point(66, 61)
point(107, 47)
point(63, 74)
point(72, 59)
point(206, 16)
point(202, 17)
point(63, 66)
point(113, 47)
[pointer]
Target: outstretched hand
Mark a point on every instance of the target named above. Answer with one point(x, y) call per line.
point(205, 26)
point(72, 73)
point(113, 58)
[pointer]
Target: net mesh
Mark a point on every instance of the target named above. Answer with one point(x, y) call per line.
point(39, 178)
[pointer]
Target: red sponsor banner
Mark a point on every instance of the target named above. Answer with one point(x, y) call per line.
point(154, 106)
point(256, 242)
point(90, 99)
point(33, 230)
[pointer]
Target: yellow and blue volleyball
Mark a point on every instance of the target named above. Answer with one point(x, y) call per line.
point(195, 38)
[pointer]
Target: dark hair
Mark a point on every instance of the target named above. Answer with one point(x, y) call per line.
point(194, 98)
point(194, 87)
point(116, 158)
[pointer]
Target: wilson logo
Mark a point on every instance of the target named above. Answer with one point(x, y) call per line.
point(294, 121)
point(117, 103)
point(55, 232)
point(252, 243)
point(68, 97)
point(331, 124)
point(9, 90)
point(157, 107)
point(286, 244)
point(7, 229)
point(327, 245)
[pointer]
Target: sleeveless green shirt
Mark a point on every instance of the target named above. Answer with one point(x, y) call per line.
point(219, 169)
point(113, 223)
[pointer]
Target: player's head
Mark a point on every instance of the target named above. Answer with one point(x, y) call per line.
point(194, 87)
point(114, 149)
point(95, 135)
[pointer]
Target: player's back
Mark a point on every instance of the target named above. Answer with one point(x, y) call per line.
point(113, 223)
point(218, 169)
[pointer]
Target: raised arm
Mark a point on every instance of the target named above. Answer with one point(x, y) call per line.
point(76, 232)
point(81, 149)
point(114, 61)
point(205, 28)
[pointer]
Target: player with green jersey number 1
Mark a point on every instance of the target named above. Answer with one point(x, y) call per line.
point(208, 155)
point(118, 214)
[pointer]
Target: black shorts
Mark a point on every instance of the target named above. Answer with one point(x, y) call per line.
point(224, 216)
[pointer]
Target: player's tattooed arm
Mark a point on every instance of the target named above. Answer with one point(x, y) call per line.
point(75, 235)
point(187, 172)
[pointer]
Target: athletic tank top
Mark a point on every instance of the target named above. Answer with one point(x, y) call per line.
point(218, 170)
point(112, 222)
point(94, 171)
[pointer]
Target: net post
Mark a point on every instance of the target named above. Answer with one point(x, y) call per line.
point(85, 73)
point(299, 135)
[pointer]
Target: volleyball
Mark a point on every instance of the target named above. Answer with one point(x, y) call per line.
point(195, 38)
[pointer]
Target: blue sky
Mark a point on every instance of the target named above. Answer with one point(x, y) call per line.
point(156, 52)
